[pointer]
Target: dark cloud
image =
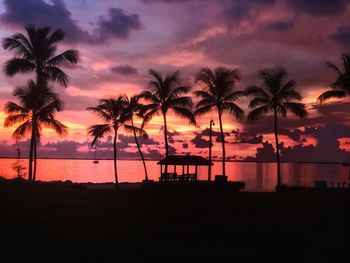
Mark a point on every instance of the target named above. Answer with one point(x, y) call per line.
point(244, 137)
point(238, 10)
point(266, 153)
point(327, 148)
point(124, 70)
point(319, 7)
point(342, 36)
point(281, 26)
point(41, 13)
point(172, 135)
point(116, 24)
point(199, 142)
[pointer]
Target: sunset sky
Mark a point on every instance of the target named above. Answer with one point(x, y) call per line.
point(119, 41)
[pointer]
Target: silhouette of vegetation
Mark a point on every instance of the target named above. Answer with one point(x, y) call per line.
point(164, 94)
point(341, 86)
point(17, 166)
point(218, 92)
point(36, 109)
point(135, 109)
point(113, 112)
point(36, 52)
point(278, 96)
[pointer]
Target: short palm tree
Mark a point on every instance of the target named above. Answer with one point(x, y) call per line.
point(277, 95)
point(218, 92)
point(36, 52)
point(36, 109)
point(341, 86)
point(134, 109)
point(112, 112)
point(164, 94)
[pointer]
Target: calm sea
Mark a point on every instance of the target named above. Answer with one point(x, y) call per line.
point(257, 176)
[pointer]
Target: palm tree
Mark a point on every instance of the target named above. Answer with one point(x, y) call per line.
point(277, 95)
point(134, 109)
point(112, 112)
point(341, 86)
point(36, 52)
point(218, 92)
point(164, 94)
point(36, 109)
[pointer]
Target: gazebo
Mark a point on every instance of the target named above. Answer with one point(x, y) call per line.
point(184, 161)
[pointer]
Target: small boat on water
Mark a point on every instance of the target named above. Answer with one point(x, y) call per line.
point(96, 161)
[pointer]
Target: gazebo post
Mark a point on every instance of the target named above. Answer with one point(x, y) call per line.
point(161, 172)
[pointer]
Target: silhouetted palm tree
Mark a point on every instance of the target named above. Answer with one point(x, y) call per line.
point(36, 52)
point(112, 112)
point(166, 94)
point(36, 109)
point(341, 86)
point(277, 96)
point(218, 92)
point(135, 108)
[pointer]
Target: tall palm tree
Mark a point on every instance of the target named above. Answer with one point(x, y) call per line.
point(36, 109)
point(134, 109)
point(277, 95)
point(341, 86)
point(112, 112)
point(164, 94)
point(36, 52)
point(218, 92)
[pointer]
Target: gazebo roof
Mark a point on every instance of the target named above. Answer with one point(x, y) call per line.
point(185, 160)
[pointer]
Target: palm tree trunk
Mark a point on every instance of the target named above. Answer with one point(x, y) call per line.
point(139, 148)
point(222, 144)
point(31, 149)
point(115, 158)
point(35, 159)
point(166, 141)
point(210, 147)
point(279, 181)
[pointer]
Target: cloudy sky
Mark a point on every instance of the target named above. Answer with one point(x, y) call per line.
point(119, 41)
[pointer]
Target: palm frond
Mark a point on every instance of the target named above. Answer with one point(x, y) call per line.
point(70, 56)
point(139, 131)
point(56, 125)
point(297, 108)
point(18, 65)
point(234, 109)
point(258, 112)
point(10, 120)
point(203, 110)
point(22, 130)
point(258, 101)
point(256, 91)
point(330, 94)
point(99, 131)
point(12, 107)
point(57, 75)
point(185, 113)
point(203, 94)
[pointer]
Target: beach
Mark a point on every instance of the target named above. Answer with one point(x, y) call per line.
point(46, 222)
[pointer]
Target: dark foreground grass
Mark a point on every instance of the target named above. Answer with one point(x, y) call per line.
point(50, 224)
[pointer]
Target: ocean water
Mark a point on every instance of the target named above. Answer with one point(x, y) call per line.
point(257, 176)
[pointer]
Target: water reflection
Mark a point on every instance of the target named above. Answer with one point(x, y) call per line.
point(257, 176)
